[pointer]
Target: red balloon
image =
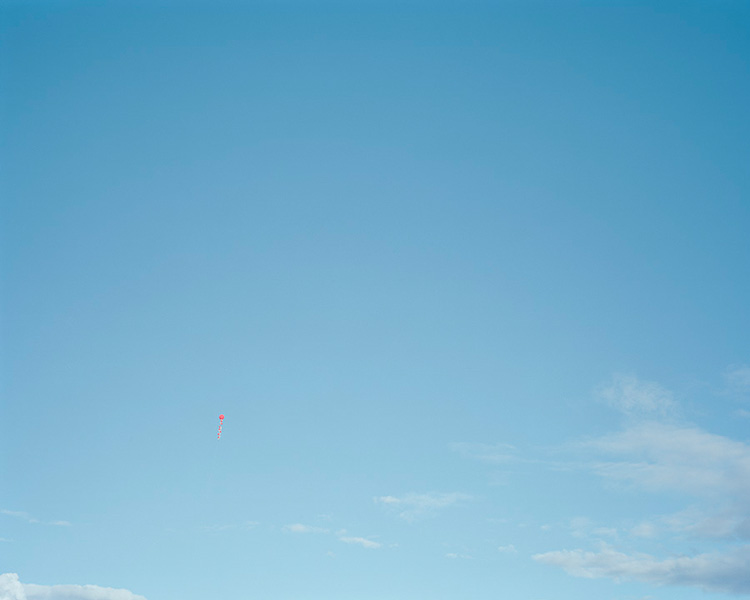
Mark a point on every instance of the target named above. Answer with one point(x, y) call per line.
point(221, 417)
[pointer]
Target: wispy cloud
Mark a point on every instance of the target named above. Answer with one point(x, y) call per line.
point(12, 589)
point(728, 572)
point(455, 555)
point(730, 522)
point(667, 457)
point(656, 456)
point(604, 532)
point(583, 527)
point(634, 397)
point(24, 516)
point(488, 453)
point(414, 506)
point(364, 542)
point(712, 469)
point(341, 535)
point(580, 526)
point(300, 528)
point(19, 514)
point(244, 526)
point(509, 549)
point(737, 378)
point(644, 530)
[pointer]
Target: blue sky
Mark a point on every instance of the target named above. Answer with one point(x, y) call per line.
point(468, 280)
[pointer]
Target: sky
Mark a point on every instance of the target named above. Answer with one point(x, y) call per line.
point(469, 282)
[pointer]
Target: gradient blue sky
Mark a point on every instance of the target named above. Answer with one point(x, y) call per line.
point(470, 282)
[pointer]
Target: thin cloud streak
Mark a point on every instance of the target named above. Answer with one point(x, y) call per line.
point(672, 458)
point(364, 542)
point(488, 453)
point(414, 506)
point(663, 457)
point(737, 378)
point(300, 528)
point(634, 397)
point(715, 572)
point(19, 514)
point(12, 589)
point(245, 526)
point(23, 515)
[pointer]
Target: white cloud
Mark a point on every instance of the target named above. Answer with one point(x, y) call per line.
point(633, 397)
point(454, 555)
point(20, 514)
point(738, 379)
point(12, 589)
point(732, 521)
point(364, 542)
point(509, 549)
point(604, 531)
point(644, 530)
point(77, 592)
point(583, 527)
point(728, 572)
point(300, 528)
point(244, 526)
point(579, 526)
point(489, 453)
point(413, 506)
point(658, 457)
point(650, 454)
point(687, 459)
point(668, 458)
